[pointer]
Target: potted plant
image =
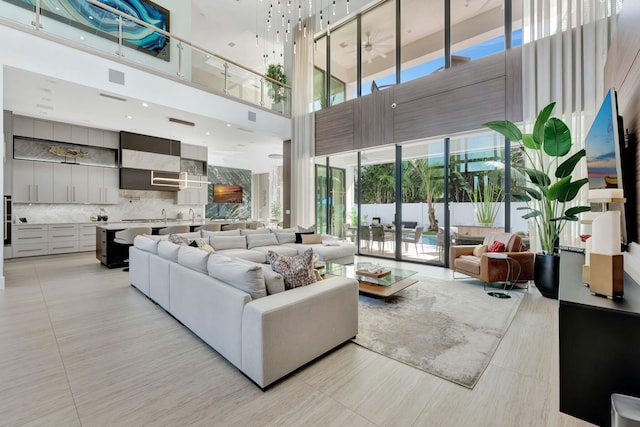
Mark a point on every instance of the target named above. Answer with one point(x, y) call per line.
point(549, 187)
point(276, 92)
point(485, 202)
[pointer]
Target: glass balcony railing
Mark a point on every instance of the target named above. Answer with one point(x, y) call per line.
point(104, 29)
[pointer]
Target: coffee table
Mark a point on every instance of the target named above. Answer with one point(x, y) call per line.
point(384, 287)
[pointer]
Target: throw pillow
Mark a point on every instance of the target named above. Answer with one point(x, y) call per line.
point(296, 270)
point(228, 242)
point(303, 229)
point(299, 235)
point(179, 240)
point(198, 243)
point(247, 278)
point(496, 247)
point(285, 237)
point(311, 239)
point(257, 240)
point(480, 249)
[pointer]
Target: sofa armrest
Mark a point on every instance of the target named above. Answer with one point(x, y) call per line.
point(284, 331)
point(457, 251)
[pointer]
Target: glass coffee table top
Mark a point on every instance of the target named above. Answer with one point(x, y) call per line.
point(383, 286)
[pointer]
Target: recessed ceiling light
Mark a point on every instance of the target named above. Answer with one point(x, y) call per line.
point(228, 125)
point(129, 117)
point(207, 133)
point(90, 17)
point(81, 37)
point(144, 104)
point(275, 156)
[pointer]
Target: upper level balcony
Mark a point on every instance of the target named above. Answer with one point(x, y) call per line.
point(144, 41)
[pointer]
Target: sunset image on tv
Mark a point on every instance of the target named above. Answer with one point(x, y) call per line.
point(601, 153)
point(224, 193)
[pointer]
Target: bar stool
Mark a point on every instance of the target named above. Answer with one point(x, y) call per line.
point(209, 227)
point(174, 229)
point(125, 237)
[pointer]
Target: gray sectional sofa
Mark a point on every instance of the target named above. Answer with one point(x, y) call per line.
point(240, 308)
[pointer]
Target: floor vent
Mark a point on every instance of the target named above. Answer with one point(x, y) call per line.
point(117, 98)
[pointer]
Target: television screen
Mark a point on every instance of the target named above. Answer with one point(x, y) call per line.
point(602, 144)
point(604, 161)
point(225, 193)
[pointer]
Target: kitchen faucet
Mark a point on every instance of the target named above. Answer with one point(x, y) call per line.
point(193, 216)
point(164, 213)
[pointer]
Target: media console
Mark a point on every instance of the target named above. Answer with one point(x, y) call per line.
point(599, 343)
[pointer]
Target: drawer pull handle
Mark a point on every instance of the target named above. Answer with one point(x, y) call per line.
point(29, 250)
point(63, 247)
point(29, 238)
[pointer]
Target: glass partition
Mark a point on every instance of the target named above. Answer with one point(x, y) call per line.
point(320, 74)
point(322, 195)
point(344, 168)
point(344, 47)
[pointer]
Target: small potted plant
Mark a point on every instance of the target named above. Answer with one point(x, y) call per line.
point(276, 92)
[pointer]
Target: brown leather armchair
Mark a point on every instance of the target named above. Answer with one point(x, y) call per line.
point(487, 269)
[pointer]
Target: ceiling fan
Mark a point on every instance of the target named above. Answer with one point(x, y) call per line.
point(371, 45)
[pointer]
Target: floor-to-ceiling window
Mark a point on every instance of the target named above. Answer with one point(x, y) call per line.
point(423, 182)
point(378, 202)
point(378, 35)
point(344, 46)
point(477, 29)
point(322, 195)
point(476, 186)
point(422, 38)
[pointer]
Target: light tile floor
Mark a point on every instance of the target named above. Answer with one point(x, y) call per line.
point(79, 346)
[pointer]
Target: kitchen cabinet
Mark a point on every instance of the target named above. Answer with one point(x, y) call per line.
point(70, 183)
point(103, 185)
point(43, 129)
point(51, 239)
point(111, 140)
point(23, 126)
point(61, 132)
point(32, 182)
point(80, 135)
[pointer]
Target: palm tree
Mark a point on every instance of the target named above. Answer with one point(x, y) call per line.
point(430, 180)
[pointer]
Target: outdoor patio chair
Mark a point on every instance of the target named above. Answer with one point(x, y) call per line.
point(417, 238)
point(349, 233)
point(379, 235)
point(365, 237)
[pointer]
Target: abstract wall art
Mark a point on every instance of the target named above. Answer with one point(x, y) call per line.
point(96, 20)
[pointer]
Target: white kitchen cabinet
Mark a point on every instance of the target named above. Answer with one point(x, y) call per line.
point(111, 139)
point(43, 129)
point(32, 182)
point(23, 126)
point(103, 185)
point(43, 182)
point(61, 132)
point(95, 137)
point(80, 135)
point(62, 183)
point(70, 183)
point(79, 184)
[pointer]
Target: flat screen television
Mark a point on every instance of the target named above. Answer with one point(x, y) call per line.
point(605, 162)
point(225, 193)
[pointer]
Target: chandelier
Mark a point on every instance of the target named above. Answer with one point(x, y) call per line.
point(280, 18)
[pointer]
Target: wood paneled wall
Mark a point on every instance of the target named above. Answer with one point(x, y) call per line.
point(451, 101)
point(622, 72)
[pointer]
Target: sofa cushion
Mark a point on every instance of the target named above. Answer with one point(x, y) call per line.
point(246, 232)
point(296, 270)
point(255, 240)
point(311, 239)
point(144, 243)
point(299, 235)
point(302, 229)
point(279, 249)
point(199, 242)
point(228, 242)
point(273, 280)
point(168, 250)
point(479, 250)
point(285, 237)
point(468, 263)
point(248, 254)
point(208, 234)
point(247, 278)
point(193, 258)
point(327, 253)
point(496, 246)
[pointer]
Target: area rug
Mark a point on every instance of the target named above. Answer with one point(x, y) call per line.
point(446, 328)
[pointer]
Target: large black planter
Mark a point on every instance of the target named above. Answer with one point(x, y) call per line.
point(546, 275)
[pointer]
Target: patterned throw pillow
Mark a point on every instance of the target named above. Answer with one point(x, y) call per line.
point(480, 249)
point(496, 247)
point(179, 240)
point(296, 270)
point(202, 244)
